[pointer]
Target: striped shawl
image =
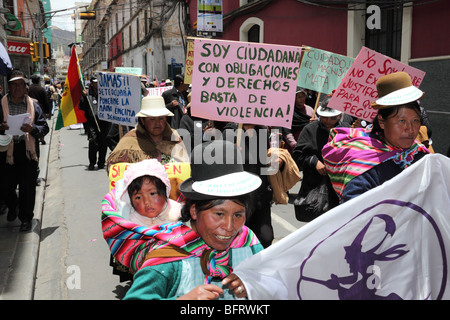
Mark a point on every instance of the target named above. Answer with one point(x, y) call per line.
point(351, 152)
point(131, 244)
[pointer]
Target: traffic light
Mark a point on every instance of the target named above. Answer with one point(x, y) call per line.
point(46, 49)
point(34, 51)
point(88, 15)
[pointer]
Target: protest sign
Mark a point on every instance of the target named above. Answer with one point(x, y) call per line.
point(129, 70)
point(379, 245)
point(244, 82)
point(322, 71)
point(189, 61)
point(119, 98)
point(157, 91)
point(358, 89)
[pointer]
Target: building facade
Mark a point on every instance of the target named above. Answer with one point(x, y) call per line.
point(144, 34)
point(409, 31)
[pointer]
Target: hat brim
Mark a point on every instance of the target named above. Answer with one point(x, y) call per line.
point(399, 97)
point(5, 140)
point(154, 113)
point(333, 113)
point(226, 186)
point(17, 78)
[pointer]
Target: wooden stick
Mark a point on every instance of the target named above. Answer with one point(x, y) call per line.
point(239, 134)
point(315, 107)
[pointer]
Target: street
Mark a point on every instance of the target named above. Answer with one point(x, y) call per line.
point(73, 261)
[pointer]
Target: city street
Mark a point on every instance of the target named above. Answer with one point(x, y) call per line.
point(73, 256)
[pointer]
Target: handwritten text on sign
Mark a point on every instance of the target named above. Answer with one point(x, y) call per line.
point(189, 62)
point(358, 88)
point(119, 98)
point(322, 71)
point(244, 82)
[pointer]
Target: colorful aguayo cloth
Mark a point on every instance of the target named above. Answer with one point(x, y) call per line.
point(351, 152)
point(131, 244)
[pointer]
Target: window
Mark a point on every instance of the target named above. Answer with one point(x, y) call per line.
point(388, 39)
point(253, 33)
point(129, 34)
point(252, 30)
point(137, 29)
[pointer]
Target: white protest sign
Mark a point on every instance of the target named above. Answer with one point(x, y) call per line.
point(129, 70)
point(157, 91)
point(119, 98)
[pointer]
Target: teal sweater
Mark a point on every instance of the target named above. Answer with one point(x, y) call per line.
point(169, 280)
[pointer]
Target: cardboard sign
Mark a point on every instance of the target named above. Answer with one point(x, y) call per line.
point(244, 82)
point(322, 71)
point(189, 66)
point(119, 98)
point(176, 171)
point(358, 88)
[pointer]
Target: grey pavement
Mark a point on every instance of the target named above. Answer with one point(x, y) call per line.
point(19, 251)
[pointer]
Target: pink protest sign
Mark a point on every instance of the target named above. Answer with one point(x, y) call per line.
point(244, 82)
point(358, 89)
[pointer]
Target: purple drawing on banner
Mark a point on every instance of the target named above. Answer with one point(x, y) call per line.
point(362, 268)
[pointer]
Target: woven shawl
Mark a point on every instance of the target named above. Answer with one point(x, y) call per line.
point(352, 151)
point(130, 243)
point(137, 145)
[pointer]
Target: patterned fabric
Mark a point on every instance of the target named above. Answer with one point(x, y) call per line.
point(351, 152)
point(130, 243)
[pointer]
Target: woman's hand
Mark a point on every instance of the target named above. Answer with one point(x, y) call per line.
point(235, 284)
point(4, 126)
point(203, 292)
point(320, 167)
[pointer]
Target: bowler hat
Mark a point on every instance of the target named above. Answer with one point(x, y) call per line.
point(327, 112)
point(395, 89)
point(153, 106)
point(217, 172)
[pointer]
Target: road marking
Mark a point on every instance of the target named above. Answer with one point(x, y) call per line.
point(286, 225)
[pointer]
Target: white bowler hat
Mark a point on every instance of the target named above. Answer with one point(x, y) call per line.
point(327, 112)
point(153, 106)
point(5, 140)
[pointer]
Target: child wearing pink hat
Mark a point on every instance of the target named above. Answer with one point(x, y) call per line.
point(142, 196)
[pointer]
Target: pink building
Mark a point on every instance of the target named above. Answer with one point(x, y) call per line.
point(414, 33)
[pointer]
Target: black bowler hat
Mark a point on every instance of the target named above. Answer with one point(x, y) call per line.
point(217, 172)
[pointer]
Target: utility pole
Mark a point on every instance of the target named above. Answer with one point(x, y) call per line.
point(41, 45)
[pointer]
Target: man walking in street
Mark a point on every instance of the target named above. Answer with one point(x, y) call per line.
point(19, 163)
point(176, 100)
point(97, 130)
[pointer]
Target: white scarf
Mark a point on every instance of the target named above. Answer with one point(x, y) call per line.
point(30, 141)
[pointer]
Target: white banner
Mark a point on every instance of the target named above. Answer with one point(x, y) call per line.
point(392, 242)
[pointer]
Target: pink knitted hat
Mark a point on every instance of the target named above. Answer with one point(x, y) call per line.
point(149, 167)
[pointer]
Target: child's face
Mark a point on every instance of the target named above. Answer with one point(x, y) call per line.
point(147, 202)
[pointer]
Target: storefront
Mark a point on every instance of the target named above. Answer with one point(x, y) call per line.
point(19, 53)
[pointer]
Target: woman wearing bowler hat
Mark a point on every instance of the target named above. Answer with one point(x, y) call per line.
point(194, 258)
point(358, 160)
point(152, 138)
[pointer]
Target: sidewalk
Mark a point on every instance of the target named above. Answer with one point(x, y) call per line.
point(19, 251)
